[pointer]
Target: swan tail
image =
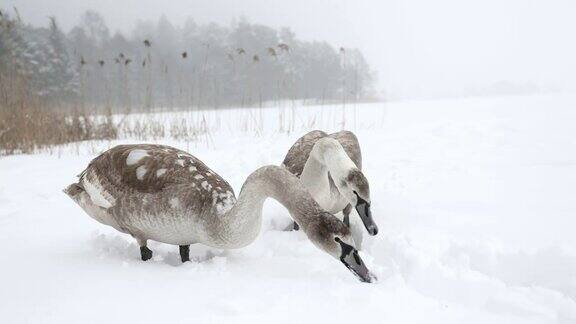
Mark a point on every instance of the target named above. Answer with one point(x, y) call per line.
point(73, 190)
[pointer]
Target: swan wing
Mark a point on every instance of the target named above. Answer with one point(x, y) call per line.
point(145, 168)
point(300, 151)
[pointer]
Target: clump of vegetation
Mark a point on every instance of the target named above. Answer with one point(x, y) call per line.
point(187, 67)
point(29, 123)
point(58, 87)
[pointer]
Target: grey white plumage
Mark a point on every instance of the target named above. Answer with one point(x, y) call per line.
point(330, 166)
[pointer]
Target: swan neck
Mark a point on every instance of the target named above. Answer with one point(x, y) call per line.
point(329, 154)
point(242, 223)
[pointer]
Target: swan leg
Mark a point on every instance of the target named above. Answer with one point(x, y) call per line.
point(145, 252)
point(346, 212)
point(185, 253)
point(292, 227)
point(296, 226)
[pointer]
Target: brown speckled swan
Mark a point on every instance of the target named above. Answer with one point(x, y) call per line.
point(330, 166)
point(160, 193)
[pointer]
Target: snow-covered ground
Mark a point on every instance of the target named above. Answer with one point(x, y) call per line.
point(474, 199)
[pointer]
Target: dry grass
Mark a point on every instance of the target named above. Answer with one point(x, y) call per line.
point(144, 130)
point(28, 123)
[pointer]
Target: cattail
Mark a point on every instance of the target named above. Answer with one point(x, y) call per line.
point(230, 57)
point(127, 61)
point(18, 14)
point(147, 43)
point(121, 55)
point(283, 47)
point(101, 62)
point(184, 55)
point(342, 50)
point(144, 63)
point(272, 51)
point(240, 51)
point(82, 61)
point(256, 59)
point(117, 60)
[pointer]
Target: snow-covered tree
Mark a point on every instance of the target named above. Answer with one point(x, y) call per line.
point(63, 80)
point(40, 56)
point(189, 65)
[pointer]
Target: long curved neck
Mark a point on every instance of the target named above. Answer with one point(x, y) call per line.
point(327, 155)
point(241, 224)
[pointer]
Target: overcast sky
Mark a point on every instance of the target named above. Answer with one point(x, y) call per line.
point(417, 47)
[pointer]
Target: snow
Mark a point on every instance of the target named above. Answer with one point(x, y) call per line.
point(473, 197)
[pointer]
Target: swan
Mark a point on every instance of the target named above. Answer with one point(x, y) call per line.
point(329, 167)
point(160, 193)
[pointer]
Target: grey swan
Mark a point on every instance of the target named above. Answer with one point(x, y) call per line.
point(160, 193)
point(330, 166)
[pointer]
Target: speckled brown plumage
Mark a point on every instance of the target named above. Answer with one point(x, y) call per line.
point(157, 201)
point(159, 157)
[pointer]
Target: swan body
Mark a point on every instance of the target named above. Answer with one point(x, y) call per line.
point(329, 166)
point(160, 193)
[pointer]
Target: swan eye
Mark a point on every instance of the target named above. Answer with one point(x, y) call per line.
point(337, 239)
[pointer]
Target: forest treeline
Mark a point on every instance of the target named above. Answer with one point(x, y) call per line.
point(160, 65)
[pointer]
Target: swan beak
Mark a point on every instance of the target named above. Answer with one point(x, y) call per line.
point(354, 263)
point(363, 209)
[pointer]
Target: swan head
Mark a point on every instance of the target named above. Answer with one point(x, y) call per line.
point(354, 187)
point(333, 237)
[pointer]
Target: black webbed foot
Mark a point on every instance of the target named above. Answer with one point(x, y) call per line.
point(185, 253)
point(145, 253)
point(296, 226)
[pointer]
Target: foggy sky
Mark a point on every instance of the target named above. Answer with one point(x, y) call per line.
point(417, 47)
